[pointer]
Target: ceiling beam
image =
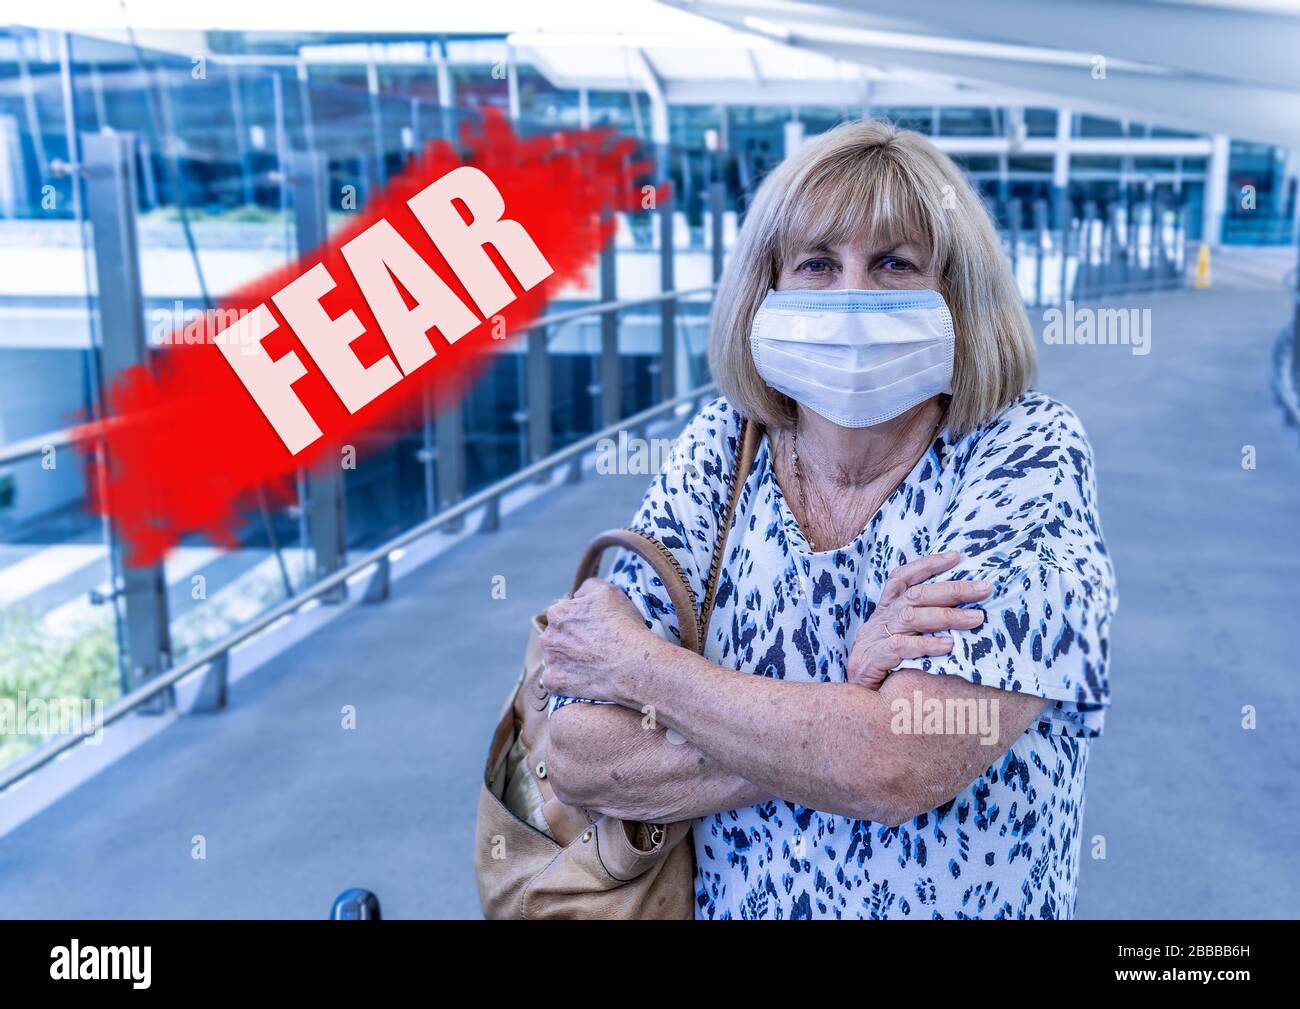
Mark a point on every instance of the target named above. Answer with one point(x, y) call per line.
point(1239, 108)
point(1235, 43)
point(1245, 111)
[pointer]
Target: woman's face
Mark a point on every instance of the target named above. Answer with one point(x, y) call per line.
point(863, 264)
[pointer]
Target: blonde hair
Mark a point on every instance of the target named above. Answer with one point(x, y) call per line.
point(896, 186)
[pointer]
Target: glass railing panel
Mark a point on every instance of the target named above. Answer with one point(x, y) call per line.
point(388, 478)
point(58, 615)
point(495, 419)
point(640, 342)
point(574, 355)
point(58, 624)
point(211, 217)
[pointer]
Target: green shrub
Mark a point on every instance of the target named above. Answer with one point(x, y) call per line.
point(35, 663)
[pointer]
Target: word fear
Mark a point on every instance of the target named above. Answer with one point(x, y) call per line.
point(375, 257)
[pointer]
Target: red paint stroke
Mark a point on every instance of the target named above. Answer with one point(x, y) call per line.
point(186, 443)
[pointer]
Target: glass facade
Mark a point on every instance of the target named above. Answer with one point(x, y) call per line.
point(214, 209)
point(1260, 206)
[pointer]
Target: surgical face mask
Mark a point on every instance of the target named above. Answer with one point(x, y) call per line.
point(856, 357)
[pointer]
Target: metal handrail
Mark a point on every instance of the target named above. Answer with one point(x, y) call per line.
point(31, 447)
point(379, 558)
point(568, 315)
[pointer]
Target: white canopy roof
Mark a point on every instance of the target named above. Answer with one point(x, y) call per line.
point(1229, 66)
point(1225, 66)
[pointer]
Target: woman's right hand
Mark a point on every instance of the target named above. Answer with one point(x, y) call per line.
point(908, 611)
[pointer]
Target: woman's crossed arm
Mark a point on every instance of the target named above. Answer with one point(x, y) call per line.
point(847, 748)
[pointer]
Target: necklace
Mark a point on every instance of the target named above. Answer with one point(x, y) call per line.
point(799, 474)
point(798, 479)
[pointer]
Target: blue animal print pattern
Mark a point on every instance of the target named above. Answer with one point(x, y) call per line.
point(1017, 498)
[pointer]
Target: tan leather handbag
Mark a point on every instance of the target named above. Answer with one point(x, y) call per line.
point(534, 856)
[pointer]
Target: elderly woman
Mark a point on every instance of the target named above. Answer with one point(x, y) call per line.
point(907, 659)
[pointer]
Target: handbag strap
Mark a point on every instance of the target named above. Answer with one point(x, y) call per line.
point(662, 562)
point(751, 433)
point(665, 565)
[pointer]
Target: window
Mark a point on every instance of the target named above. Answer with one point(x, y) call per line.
point(972, 122)
point(1095, 126)
point(1040, 122)
point(920, 119)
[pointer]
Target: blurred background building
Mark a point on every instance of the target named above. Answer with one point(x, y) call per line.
point(1110, 141)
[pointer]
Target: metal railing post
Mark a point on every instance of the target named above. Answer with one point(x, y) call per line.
point(1087, 276)
point(1148, 271)
point(380, 584)
point(1040, 236)
point(611, 367)
point(717, 201)
point(110, 180)
point(1067, 242)
point(1015, 221)
point(491, 519)
point(214, 689)
point(1118, 248)
point(449, 439)
point(1181, 247)
point(426, 455)
point(1157, 237)
point(539, 394)
point(668, 307)
point(307, 173)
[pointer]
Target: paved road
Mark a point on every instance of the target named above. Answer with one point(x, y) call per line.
point(1197, 813)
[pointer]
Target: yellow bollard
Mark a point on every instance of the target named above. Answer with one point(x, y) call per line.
point(1203, 266)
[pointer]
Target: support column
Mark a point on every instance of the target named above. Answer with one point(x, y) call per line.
point(307, 172)
point(660, 135)
point(512, 84)
point(539, 394)
point(240, 129)
point(717, 204)
point(611, 366)
point(668, 307)
point(1061, 171)
point(449, 438)
point(446, 94)
point(376, 124)
point(1015, 221)
point(1216, 189)
point(1040, 247)
point(792, 136)
point(304, 101)
point(110, 180)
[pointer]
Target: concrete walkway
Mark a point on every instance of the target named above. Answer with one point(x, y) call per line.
point(1197, 813)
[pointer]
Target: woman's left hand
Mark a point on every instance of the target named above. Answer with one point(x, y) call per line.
point(592, 639)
